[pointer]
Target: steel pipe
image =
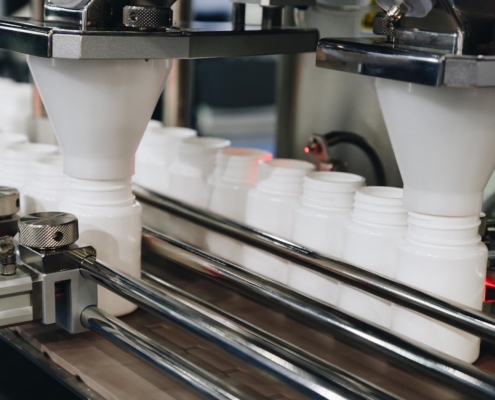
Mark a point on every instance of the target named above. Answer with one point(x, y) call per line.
point(426, 361)
point(465, 318)
point(233, 337)
point(175, 365)
point(322, 366)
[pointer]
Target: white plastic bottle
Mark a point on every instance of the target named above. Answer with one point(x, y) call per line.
point(18, 165)
point(378, 222)
point(156, 153)
point(49, 186)
point(318, 223)
point(269, 208)
point(109, 220)
point(442, 256)
point(236, 172)
point(194, 164)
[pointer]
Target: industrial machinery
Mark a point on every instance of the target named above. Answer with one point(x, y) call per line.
point(229, 327)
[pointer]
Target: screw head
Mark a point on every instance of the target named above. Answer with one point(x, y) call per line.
point(48, 230)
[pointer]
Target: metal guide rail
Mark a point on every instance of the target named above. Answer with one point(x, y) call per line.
point(65, 276)
point(465, 318)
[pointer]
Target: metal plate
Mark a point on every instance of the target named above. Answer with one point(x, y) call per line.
point(201, 41)
point(381, 59)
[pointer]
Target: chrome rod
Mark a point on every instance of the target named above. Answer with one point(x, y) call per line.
point(356, 332)
point(180, 368)
point(230, 336)
point(331, 371)
point(465, 318)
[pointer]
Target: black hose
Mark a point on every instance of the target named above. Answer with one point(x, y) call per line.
point(339, 137)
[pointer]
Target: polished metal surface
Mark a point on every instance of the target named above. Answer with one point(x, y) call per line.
point(147, 17)
point(64, 292)
point(15, 299)
point(333, 372)
point(9, 201)
point(201, 40)
point(48, 230)
point(407, 354)
point(299, 372)
point(178, 92)
point(239, 15)
point(459, 316)
point(174, 364)
point(382, 59)
point(8, 262)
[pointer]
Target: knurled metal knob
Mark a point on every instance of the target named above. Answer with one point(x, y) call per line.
point(9, 201)
point(148, 17)
point(48, 230)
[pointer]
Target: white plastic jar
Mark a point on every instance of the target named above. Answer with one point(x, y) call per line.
point(269, 209)
point(194, 164)
point(442, 256)
point(18, 164)
point(49, 186)
point(378, 222)
point(110, 221)
point(318, 223)
point(156, 153)
point(236, 172)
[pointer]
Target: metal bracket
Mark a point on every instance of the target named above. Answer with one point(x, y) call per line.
point(65, 293)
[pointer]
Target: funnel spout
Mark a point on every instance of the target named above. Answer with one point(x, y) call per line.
point(444, 141)
point(99, 110)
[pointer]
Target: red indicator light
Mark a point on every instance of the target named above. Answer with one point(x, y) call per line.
point(307, 150)
point(489, 291)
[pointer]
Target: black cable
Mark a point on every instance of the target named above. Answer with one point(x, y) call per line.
point(339, 137)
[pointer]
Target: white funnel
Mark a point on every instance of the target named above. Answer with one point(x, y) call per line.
point(100, 110)
point(444, 141)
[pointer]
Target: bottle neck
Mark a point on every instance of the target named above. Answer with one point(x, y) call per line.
point(331, 190)
point(283, 177)
point(46, 181)
point(239, 165)
point(380, 206)
point(113, 193)
point(444, 231)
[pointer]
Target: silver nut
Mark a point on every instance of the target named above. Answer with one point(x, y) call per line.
point(396, 12)
point(9, 201)
point(48, 230)
point(147, 17)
